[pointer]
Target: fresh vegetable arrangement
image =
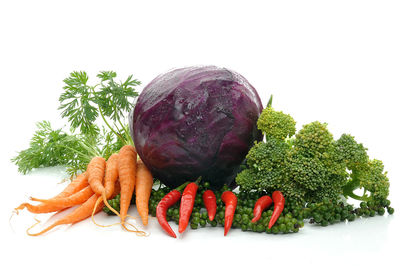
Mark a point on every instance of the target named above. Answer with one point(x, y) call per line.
point(198, 149)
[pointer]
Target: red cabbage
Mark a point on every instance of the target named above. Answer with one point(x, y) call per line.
point(196, 121)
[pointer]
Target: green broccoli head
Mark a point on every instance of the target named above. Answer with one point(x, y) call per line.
point(276, 124)
point(365, 174)
point(246, 179)
point(319, 177)
point(375, 180)
point(268, 155)
point(372, 179)
point(265, 163)
point(293, 191)
point(308, 172)
point(354, 155)
point(314, 139)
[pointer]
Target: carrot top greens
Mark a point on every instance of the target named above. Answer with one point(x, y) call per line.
point(97, 124)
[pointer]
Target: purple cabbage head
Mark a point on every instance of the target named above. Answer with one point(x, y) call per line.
point(196, 121)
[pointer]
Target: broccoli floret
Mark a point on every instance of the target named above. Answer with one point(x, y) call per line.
point(308, 172)
point(265, 162)
point(353, 154)
point(246, 179)
point(276, 124)
point(314, 163)
point(314, 139)
point(375, 181)
point(365, 173)
point(268, 155)
point(293, 191)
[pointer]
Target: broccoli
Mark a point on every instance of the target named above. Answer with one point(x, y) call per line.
point(275, 124)
point(314, 139)
point(310, 165)
point(265, 162)
point(366, 174)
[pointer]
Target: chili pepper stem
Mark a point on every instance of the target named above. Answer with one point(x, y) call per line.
point(181, 187)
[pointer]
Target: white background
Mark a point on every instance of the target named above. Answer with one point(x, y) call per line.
point(333, 61)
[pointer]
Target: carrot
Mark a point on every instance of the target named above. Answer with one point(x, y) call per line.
point(96, 169)
point(82, 212)
point(80, 182)
point(111, 176)
point(75, 199)
point(127, 177)
point(41, 208)
point(144, 185)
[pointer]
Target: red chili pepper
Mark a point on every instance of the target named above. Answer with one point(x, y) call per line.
point(187, 203)
point(161, 211)
point(261, 204)
point(230, 200)
point(210, 201)
point(279, 203)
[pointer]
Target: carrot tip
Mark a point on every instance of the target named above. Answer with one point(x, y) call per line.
point(36, 199)
point(138, 232)
point(94, 210)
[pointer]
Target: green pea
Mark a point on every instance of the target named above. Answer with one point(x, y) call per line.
point(194, 225)
point(290, 225)
point(282, 227)
point(203, 222)
point(275, 230)
point(351, 217)
point(245, 218)
point(260, 228)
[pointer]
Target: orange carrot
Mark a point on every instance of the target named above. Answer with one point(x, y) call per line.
point(111, 176)
point(82, 212)
point(75, 199)
point(127, 177)
point(144, 185)
point(80, 182)
point(41, 208)
point(96, 170)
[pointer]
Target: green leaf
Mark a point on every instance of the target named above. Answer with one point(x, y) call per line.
point(116, 99)
point(78, 104)
point(51, 147)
